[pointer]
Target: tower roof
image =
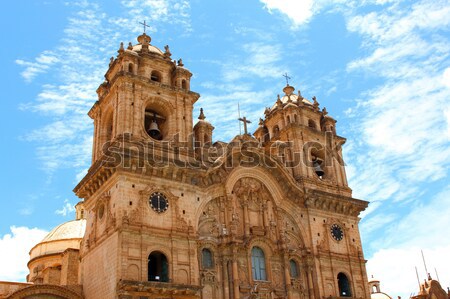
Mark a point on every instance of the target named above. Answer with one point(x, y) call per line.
point(290, 97)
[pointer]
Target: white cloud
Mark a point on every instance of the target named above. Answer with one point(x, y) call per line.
point(299, 12)
point(78, 63)
point(14, 251)
point(446, 77)
point(66, 209)
point(395, 268)
point(425, 227)
point(41, 65)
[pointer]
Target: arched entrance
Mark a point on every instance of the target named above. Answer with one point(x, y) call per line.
point(158, 267)
point(344, 285)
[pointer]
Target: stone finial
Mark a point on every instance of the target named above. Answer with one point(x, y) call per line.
point(315, 104)
point(279, 102)
point(167, 51)
point(202, 115)
point(325, 112)
point(111, 61)
point(180, 62)
point(266, 111)
point(429, 277)
point(300, 94)
point(130, 46)
point(121, 49)
point(261, 122)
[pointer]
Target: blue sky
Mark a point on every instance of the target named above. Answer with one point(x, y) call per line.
point(381, 67)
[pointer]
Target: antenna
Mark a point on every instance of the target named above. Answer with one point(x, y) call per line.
point(239, 116)
point(437, 277)
point(418, 280)
point(423, 258)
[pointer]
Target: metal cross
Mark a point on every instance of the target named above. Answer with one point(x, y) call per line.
point(145, 25)
point(287, 78)
point(245, 121)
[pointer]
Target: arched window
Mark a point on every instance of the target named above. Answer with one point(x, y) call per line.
point(276, 132)
point(207, 259)
point(294, 269)
point(155, 76)
point(183, 84)
point(288, 119)
point(130, 68)
point(266, 137)
point(311, 124)
point(258, 264)
point(344, 285)
point(158, 267)
point(295, 117)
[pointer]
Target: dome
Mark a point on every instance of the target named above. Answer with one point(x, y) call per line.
point(151, 49)
point(69, 230)
point(62, 237)
point(291, 97)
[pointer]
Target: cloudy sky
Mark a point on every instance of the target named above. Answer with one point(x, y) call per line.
point(381, 67)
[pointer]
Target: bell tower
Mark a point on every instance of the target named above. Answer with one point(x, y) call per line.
point(304, 138)
point(136, 232)
point(146, 96)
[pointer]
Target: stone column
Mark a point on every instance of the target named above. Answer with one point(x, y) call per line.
point(225, 278)
point(235, 276)
point(246, 218)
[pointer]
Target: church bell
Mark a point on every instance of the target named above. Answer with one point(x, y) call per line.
point(317, 168)
point(153, 130)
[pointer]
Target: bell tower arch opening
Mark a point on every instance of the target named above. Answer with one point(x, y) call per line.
point(155, 122)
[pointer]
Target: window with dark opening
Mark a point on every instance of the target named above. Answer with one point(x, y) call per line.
point(344, 285)
point(155, 76)
point(158, 267)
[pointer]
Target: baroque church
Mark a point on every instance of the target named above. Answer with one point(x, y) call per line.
point(166, 212)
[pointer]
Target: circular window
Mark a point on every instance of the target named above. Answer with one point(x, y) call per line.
point(158, 202)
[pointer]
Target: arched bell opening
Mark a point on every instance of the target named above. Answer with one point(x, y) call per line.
point(344, 285)
point(155, 76)
point(183, 84)
point(158, 267)
point(317, 158)
point(312, 124)
point(266, 135)
point(155, 123)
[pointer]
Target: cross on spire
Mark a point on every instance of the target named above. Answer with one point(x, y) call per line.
point(145, 25)
point(245, 121)
point(287, 78)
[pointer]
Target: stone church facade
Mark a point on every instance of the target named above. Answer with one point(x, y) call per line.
point(168, 213)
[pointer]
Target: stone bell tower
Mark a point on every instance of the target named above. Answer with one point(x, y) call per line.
point(304, 137)
point(135, 227)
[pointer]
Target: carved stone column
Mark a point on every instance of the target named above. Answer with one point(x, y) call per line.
point(246, 218)
point(225, 278)
point(235, 275)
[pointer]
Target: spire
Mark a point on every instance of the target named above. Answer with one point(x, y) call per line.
point(201, 116)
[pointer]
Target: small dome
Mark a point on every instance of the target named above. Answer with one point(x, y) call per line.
point(62, 237)
point(70, 230)
point(380, 296)
point(291, 97)
point(151, 49)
